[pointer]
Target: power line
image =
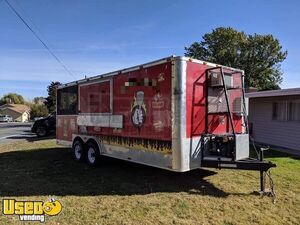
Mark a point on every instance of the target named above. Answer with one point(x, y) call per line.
point(26, 17)
point(43, 43)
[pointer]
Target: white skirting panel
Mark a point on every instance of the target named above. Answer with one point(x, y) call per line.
point(100, 120)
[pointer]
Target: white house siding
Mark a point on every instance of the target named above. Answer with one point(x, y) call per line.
point(25, 117)
point(266, 130)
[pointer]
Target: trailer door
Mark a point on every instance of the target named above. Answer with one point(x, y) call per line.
point(95, 97)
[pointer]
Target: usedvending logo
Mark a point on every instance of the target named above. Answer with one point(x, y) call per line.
point(138, 110)
point(31, 210)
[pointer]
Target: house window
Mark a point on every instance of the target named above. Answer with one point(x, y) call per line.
point(286, 110)
point(294, 111)
point(279, 111)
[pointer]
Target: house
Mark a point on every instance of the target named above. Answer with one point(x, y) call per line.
point(274, 118)
point(19, 112)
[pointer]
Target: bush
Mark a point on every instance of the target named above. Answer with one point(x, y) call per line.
point(38, 110)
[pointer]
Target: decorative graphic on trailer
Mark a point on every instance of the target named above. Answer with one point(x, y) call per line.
point(138, 143)
point(138, 110)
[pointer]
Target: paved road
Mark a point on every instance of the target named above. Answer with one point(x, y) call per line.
point(14, 131)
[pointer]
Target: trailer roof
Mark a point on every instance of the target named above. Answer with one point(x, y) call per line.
point(145, 65)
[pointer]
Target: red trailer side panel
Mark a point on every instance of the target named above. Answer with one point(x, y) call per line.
point(195, 99)
point(66, 126)
point(154, 83)
point(142, 97)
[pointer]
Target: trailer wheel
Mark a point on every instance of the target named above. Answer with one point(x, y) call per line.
point(78, 150)
point(92, 154)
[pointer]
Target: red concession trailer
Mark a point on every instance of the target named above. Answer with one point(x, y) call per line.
point(175, 113)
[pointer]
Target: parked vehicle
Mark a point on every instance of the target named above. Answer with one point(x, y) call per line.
point(175, 113)
point(37, 118)
point(45, 126)
point(6, 118)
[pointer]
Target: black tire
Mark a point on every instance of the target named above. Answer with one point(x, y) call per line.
point(41, 131)
point(92, 154)
point(78, 151)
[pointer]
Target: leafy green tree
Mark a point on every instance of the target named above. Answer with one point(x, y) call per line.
point(51, 99)
point(39, 100)
point(12, 98)
point(38, 110)
point(258, 55)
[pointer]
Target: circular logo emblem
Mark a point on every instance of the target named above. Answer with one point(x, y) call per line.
point(138, 116)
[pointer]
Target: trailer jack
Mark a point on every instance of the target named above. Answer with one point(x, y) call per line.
point(270, 192)
point(263, 175)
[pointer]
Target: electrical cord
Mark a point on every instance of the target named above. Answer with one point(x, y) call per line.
point(271, 186)
point(254, 146)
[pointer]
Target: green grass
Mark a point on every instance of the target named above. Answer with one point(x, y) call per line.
point(119, 192)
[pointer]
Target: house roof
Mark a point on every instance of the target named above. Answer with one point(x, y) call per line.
point(20, 108)
point(274, 93)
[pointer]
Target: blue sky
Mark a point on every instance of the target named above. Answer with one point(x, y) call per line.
point(93, 37)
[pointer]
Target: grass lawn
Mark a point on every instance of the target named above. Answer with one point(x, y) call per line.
point(119, 192)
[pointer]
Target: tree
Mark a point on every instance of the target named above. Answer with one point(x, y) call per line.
point(51, 99)
point(12, 98)
point(38, 110)
point(39, 100)
point(258, 55)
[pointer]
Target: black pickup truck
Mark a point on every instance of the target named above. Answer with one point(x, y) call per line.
point(45, 126)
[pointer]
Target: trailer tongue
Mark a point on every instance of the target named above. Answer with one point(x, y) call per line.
point(174, 113)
